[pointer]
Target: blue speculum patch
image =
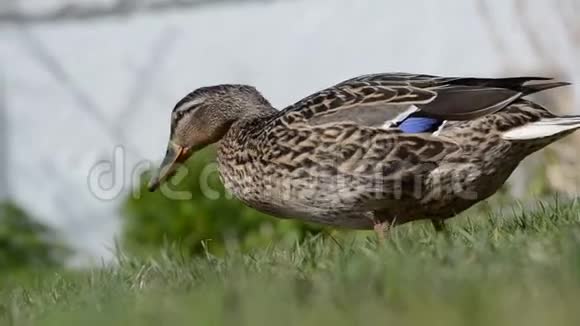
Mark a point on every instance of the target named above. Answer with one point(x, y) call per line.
point(413, 125)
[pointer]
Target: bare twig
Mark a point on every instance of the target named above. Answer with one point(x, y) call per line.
point(52, 64)
point(119, 8)
point(83, 99)
point(533, 35)
point(145, 76)
point(496, 36)
point(568, 12)
point(4, 150)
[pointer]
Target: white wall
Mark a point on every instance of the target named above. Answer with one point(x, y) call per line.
point(286, 49)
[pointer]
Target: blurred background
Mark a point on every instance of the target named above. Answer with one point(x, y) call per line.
point(86, 89)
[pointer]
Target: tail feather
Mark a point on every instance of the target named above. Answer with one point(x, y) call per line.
point(543, 128)
point(535, 88)
point(524, 85)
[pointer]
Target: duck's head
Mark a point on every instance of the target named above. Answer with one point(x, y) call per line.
point(202, 118)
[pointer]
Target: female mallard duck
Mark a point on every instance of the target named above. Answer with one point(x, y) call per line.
point(373, 151)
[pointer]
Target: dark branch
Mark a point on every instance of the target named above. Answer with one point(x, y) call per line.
point(569, 11)
point(4, 185)
point(145, 75)
point(532, 32)
point(121, 8)
point(84, 100)
point(496, 36)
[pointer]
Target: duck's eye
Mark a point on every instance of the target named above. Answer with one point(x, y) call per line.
point(184, 109)
point(178, 115)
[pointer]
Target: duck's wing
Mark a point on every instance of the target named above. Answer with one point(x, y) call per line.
point(388, 99)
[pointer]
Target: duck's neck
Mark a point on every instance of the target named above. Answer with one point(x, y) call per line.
point(259, 111)
point(245, 122)
point(249, 107)
point(252, 121)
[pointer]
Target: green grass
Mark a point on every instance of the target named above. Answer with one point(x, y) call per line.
point(497, 270)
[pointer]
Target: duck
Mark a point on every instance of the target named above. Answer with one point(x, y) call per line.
point(372, 152)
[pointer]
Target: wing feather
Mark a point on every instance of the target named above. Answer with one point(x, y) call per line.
point(379, 98)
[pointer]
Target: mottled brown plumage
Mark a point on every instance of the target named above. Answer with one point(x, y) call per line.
point(339, 157)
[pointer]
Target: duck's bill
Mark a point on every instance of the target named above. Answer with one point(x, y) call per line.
point(174, 156)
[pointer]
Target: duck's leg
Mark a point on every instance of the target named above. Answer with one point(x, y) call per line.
point(439, 225)
point(381, 229)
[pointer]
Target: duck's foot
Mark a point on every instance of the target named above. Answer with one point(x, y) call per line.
point(380, 229)
point(439, 225)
